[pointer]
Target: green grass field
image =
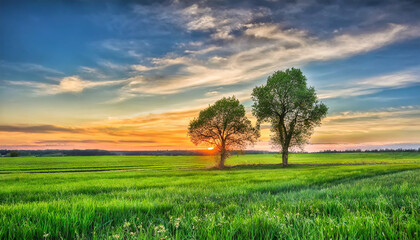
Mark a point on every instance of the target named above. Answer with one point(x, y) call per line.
point(181, 198)
point(98, 163)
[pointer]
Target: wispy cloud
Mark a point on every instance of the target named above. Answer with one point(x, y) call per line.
point(285, 48)
point(345, 130)
point(93, 72)
point(38, 129)
point(60, 141)
point(383, 125)
point(72, 84)
point(29, 67)
point(221, 23)
point(141, 68)
point(371, 85)
point(244, 46)
point(113, 66)
point(212, 93)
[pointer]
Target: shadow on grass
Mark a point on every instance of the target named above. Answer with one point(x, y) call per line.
point(295, 165)
point(248, 167)
point(318, 184)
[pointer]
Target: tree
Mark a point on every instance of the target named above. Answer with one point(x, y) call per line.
point(224, 126)
point(290, 106)
point(14, 154)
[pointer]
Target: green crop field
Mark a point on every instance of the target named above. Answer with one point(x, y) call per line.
point(320, 196)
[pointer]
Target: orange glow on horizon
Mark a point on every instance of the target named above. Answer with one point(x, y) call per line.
point(362, 130)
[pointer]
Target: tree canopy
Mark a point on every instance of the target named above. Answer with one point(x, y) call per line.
point(291, 107)
point(224, 126)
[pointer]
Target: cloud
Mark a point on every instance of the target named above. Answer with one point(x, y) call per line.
point(285, 48)
point(403, 111)
point(29, 67)
point(383, 125)
point(243, 44)
point(73, 141)
point(203, 50)
point(113, 66)
point(212, 93)
point(139, 131)
point(150, 120)
point(374, 129)
point(131, 48)
point(240, 43)
point(141, 68)
point(274, 32)
point(29, 146)
point(91, 141)
point(220, 22)
point(37, 129)
point(135, 141)
point(71, 84)
point(94, 72)
point(371, 85)
point(386, 126)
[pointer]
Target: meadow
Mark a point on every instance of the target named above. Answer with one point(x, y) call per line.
point(320, 196)
point(101, 163)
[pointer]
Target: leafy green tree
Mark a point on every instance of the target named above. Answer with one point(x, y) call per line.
point(223, 126)
point(290, 106)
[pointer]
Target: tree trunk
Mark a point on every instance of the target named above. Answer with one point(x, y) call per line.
point(223, 156)
point(285, 157)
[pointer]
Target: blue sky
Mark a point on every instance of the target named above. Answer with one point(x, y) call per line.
point(95, 70)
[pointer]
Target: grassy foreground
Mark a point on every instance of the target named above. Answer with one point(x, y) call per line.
point(262, 202)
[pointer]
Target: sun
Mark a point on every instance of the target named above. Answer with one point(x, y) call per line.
point(210, 148)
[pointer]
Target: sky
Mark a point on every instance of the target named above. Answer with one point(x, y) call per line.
point(130, 75)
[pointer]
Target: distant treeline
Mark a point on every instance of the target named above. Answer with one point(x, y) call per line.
point(97, 152)
point(39, 153)
point(373, 150)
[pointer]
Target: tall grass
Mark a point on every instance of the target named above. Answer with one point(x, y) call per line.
point(264, 202)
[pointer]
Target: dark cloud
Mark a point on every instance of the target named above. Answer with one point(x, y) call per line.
point(122, 132)
point(92, 141)
point(322, 18)
point(136, 141)
point(74, 141)
point(9, 146)
point(37, 129)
